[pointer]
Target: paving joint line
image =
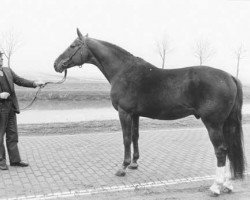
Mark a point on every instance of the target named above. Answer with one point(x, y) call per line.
point(110, 189)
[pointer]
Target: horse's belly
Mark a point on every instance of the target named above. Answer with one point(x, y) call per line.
point(168, 113)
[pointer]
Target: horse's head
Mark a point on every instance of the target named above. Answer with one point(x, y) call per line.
point(75, 55)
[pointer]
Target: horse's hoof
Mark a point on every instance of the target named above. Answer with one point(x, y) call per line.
point(215, 190)
point(213, 194)
point(133, 166)
point(227, 190)
point(227, 187)
point(120, 172)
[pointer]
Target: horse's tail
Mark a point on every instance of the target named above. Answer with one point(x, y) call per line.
point(233, 135)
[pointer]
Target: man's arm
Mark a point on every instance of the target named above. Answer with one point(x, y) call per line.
point(25, 82)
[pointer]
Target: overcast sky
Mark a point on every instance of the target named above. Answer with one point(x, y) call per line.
point(47, 27)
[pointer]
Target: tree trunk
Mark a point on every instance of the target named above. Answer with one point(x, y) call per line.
point(238, 67)
point(200, 60)
point(163, 61)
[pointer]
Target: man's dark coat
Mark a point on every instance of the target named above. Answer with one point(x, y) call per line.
point(13, 78)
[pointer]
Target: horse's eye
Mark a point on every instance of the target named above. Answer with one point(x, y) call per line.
point(72, 46)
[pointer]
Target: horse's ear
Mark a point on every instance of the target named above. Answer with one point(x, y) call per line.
point(79, 33)
point(87, 35)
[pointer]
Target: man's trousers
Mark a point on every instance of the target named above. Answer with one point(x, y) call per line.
point(8, 125)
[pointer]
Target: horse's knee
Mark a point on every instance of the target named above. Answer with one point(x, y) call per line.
point(127, 142)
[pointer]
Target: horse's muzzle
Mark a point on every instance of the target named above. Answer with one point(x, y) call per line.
point(58, 67)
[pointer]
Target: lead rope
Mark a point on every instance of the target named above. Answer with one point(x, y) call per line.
point(40, 88)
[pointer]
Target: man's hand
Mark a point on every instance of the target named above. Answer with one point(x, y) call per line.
point(4, 95)
point(39, 83)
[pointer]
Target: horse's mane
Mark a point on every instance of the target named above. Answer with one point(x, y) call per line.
point(116, 48)
point(124, 55)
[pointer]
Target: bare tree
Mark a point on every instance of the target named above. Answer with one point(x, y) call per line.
point(240, 54)
point(203, 51)
point(163, 48)
point(9, 44)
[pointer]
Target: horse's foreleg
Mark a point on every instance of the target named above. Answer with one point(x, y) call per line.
point(135, 137)
point(217, 139)
point(126, 123)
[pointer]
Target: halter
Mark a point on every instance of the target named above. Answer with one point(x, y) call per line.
point(70, 58)
point(82, 43)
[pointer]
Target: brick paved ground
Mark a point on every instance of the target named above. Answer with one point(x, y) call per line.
point(75, 164)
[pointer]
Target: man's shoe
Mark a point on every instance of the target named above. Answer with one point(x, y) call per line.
point(19, 164)
point(4, 167)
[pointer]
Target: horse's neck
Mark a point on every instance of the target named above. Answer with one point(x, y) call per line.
point(107, 60)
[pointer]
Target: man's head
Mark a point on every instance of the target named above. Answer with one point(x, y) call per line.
point(1, 59)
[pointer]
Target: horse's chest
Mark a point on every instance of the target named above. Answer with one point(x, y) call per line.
point(123, 98)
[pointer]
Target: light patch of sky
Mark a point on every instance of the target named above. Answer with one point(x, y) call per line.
point(47, 27)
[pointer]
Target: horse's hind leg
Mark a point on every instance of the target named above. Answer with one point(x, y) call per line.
point(135, 137)
point(227, 185)
point(126, 123)
point(216, 136)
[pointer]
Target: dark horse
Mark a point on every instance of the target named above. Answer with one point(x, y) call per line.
point(141, 89)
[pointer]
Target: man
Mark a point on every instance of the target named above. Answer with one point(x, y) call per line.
point(8, 109)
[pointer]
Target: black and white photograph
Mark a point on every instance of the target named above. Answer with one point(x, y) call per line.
point(124, 99)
